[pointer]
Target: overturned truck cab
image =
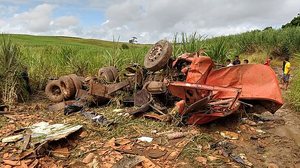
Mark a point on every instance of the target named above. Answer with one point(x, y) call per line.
point(208, 94)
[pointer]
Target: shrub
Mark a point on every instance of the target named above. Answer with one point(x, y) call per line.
point(124, 46)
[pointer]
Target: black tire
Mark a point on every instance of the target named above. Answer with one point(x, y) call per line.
point(67, 87)
point(53, 91)
point(158, 56)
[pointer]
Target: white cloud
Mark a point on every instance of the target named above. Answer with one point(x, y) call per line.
point(2, 23)
point(147, 20)
point(40, 20)
point(107, 21)
point(156, 19)
point(35, 20)
point(65, 22)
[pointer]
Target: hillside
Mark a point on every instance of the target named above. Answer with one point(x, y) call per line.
point(32, 40)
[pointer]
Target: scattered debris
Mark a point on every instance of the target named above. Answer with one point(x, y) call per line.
point(242, 159)
point(145, 139)
point(118, 110)
point(176, 135)
point(226, 147)
point(69, 109)
point(212, 158)
point(97, 118)
point(201, 160)
point(12, 138)
point(44, 132)
point(61, 152)
point(249, 122)
point(260, 131)
point(89, 158)
point(156, 153)
point(128, 161)
point(229, 135)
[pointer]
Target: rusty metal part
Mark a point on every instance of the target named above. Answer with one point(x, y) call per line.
point(97, 89)
point(81, 93)
point(61, 105)
point(158, 56)
point(162, 117)
point(110, 74)
point(155, 87)
point(141, 97)
point(112, 88)
point(97, 93)
point(135, 76)
point(197, 105)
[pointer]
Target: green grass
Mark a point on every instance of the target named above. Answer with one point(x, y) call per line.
point(293, 94)
point(53, 56)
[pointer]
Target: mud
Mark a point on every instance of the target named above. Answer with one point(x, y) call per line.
point(291, 129)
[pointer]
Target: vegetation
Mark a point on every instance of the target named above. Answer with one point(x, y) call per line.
point(293, 23)
point(12, 86)
point(293, 94)
point(50, 57)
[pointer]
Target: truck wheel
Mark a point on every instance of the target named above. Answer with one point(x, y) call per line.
point(54, 92)
point(158, 56)
point(110, 74)
point(77, 81)
point(67, 87)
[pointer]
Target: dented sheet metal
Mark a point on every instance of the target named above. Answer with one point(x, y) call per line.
point(226, 87)
point(43, 132)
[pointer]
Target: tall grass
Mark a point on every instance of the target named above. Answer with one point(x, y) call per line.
point(12, 85)
point(51, 57)
point(187, 43)
point(52, 61)
point(293, 94)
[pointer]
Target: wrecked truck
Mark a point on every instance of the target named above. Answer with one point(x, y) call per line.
point(188, 88)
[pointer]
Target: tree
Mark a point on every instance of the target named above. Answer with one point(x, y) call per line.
point(268, 28)
point(294, 23)
point(133, 40)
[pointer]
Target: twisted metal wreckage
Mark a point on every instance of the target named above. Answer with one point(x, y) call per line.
point(202, 92)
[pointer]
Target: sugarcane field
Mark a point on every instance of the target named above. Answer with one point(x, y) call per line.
point(74, 95)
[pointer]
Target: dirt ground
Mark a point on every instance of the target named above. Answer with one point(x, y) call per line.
point(264, 141)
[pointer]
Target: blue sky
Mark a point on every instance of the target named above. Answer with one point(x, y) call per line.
point(149, 21)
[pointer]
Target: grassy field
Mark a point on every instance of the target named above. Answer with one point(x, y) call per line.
point(47, 57)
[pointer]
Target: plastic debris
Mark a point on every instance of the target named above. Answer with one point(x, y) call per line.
point(145, 139)
point(241, 158)
point(229, 135)
point(97, 118)
point(118, 110)
point(72, 109)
